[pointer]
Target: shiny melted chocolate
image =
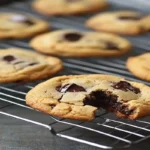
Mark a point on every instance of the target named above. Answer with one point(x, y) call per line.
point(9, 58)
point(70, 88)
point(110, 45)
point(125, 86)
point(107, 100)
point(72, 37)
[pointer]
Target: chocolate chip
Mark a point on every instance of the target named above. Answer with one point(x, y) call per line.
point(70, 88)
point(130, 17)
point(100, 99)
point(125, 86)
point(9, 58)
point(22, 19)
point(106, 100)
point(73, 37)
point(92, 100)
point(110, 45)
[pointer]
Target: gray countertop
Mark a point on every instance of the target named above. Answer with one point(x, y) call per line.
point(19, 135)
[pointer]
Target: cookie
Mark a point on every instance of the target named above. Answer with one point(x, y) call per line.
point(121, 22)
point(20, 26)
point(80, 96)
point(67, 7)
point(140, 66)
point(22, 65)
point(75, 43)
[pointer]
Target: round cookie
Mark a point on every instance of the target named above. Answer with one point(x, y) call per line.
point(121, 22)
point(23, 65)
point(75, 43)
point(140, 66)
point(67, 7)
point(79, 97)
point(14, 25)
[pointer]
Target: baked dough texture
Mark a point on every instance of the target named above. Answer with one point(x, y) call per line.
point(80, 96)
point(74, 43)
point(24, 65)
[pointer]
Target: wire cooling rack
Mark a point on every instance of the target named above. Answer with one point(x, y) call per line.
point(106, 131)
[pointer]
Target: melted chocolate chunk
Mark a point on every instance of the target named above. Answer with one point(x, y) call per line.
point(106, 100)
point(70, 88)
point(130, 17)
point(100, 99)
point(110, 45)
point(125, 86)
point(73, 37)
point(22, 19)
point(9, 58)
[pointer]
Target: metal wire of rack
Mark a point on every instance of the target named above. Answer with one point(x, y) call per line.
point(106, 131)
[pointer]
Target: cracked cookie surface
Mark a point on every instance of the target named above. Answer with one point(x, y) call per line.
point(74, 43)
point(14, 25)
point(121, 22)
point(67, 7)
point(23, 65)
point(79, 97)
point(140, 66)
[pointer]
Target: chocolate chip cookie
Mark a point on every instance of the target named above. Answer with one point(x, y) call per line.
point(140, 66)
point(22, 65)
point(80, 96)
point(20, 26)
point(66, 7)
point(121, 22)
point(80, 44)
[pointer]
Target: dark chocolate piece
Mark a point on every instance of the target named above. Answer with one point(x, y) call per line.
point(72, 37)
point(9, 58)
point(70, 88)
point(107, 100)
point(100, 98)
point(110, 45)
point(125, 86)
